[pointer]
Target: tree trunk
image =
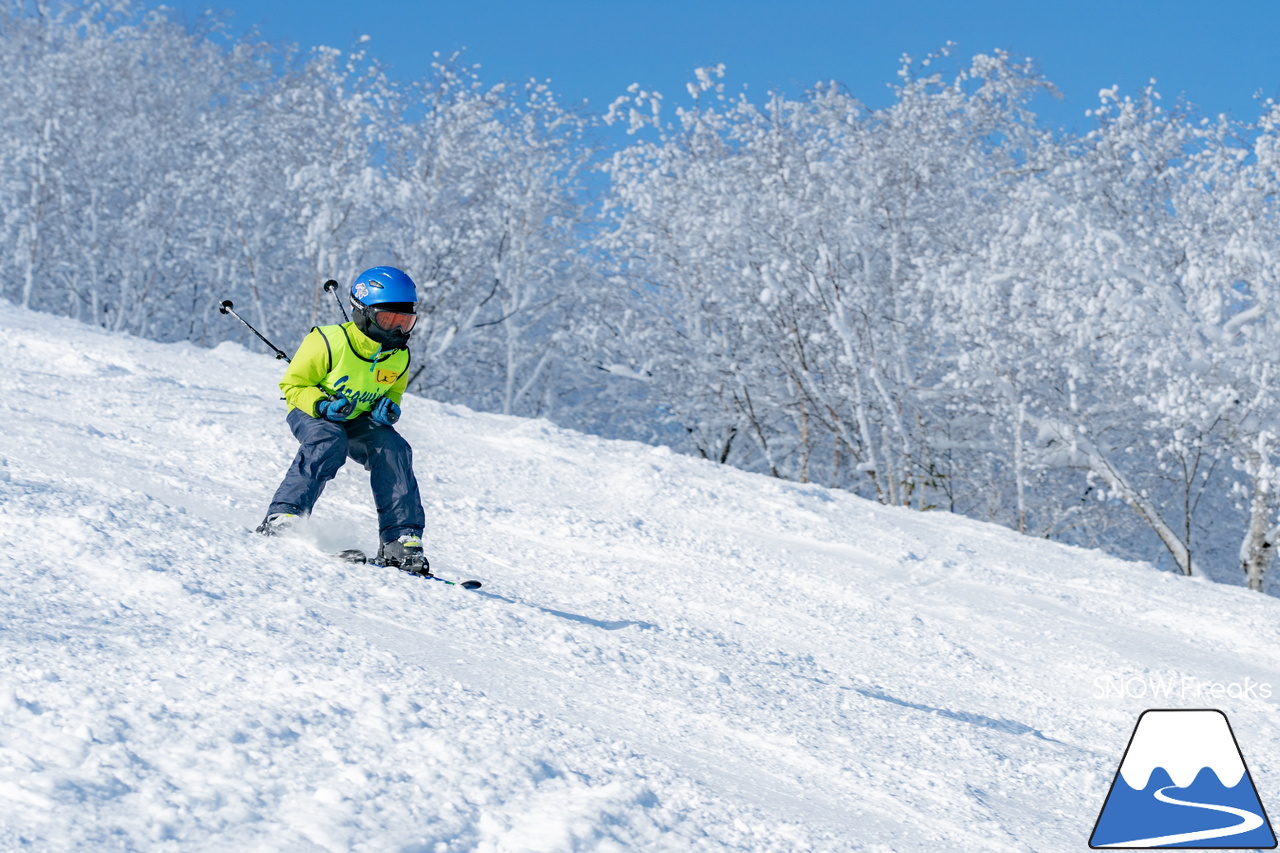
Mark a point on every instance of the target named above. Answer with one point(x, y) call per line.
point(1117, 483)
point(1255, 550)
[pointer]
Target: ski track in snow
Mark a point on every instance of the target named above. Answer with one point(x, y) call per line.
point(667, 655)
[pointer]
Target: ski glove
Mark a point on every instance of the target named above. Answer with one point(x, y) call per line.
point(385, 412)
point(335, 408)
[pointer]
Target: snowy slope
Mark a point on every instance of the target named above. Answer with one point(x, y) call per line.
point(667, 655)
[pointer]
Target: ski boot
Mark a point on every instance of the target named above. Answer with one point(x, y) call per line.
point(405, 554)
point(278, 524)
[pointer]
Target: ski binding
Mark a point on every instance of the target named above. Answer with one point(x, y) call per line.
point(355, 555)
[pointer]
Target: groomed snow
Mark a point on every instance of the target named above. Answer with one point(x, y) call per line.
point(667, 654)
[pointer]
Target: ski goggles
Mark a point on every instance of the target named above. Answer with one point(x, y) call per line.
point(392, 321)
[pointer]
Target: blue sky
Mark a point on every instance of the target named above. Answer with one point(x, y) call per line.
point(1217, 54)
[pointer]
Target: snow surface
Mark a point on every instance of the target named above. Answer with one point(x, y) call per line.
point(667, 654)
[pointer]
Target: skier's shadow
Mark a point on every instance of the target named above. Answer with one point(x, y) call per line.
point(1006, 726)
point(607, 624)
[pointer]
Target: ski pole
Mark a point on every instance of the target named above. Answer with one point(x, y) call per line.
point(227, 308)
point(331, 286)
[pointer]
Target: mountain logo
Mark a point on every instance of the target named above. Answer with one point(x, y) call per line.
point(1183, 783)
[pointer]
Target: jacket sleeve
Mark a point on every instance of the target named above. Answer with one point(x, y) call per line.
point(301, 382)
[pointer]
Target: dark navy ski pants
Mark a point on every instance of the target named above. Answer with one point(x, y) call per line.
point(325, 446)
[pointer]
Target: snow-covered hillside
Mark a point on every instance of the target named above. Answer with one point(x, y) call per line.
point(666, 655)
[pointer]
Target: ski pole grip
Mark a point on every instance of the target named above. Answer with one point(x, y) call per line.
point(226, 306)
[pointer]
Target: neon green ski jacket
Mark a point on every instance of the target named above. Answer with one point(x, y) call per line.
point(343, 360)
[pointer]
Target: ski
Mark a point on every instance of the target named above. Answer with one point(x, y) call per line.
point(355, 555)
point(471, 583)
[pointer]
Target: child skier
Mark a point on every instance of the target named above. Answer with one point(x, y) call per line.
point(343, 388)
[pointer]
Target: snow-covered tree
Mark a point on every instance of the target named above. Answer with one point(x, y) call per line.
point(486, 199)
point(1115, 323)
point(780, 252)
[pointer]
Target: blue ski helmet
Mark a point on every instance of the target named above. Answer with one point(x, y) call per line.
point(384, 305)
